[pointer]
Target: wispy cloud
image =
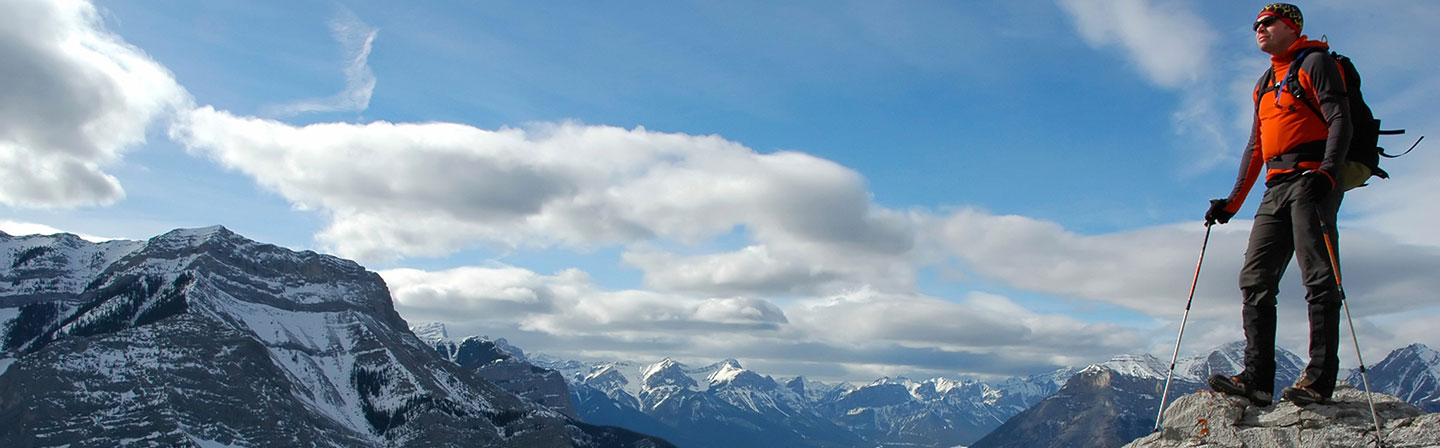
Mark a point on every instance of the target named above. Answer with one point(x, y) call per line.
point(1172, 48)
point(1167, 42)
point(357, 39)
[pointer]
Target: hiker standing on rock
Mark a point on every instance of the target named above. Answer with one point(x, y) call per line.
point(1302, 156)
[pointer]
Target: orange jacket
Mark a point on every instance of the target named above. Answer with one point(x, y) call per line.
point(1283, 124)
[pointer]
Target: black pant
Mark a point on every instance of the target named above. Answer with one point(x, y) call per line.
point(1287, 224)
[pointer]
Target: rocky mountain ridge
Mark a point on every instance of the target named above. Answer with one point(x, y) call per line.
point(201, 337)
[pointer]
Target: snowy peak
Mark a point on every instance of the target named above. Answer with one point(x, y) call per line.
point(197, 237)
point(1139, 366)
point(38, 267)
point(1227, 359)
point(730, 374)
point(470, 352)
point(1411, 373)
point(606, 378)
point(816, 391)
point(430, 331)
point(1419, 354)
point(667, 373)
point(726, 371)
point(119, 342)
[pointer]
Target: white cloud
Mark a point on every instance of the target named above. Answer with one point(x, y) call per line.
point(859, 329)
point(1150, 269)
point(1134, 269)
point(434, 188)
point(16, 228)
point(752, 270)
point(784, 268)
point(567, 304)
point(1164, 39)
point(357, 39)
point(984, 323)
point(75, 97)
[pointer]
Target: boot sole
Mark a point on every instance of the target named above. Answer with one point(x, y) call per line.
point(1301, 397)
point(1227, 386)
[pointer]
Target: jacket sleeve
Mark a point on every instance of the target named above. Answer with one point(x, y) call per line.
point(1251, 159)
point(1329, 88)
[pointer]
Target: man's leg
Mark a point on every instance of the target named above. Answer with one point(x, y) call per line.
point(1323, 296)
point(1271, 245)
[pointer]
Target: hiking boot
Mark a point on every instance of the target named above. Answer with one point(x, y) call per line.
point(1235, 386)
point(1302, 396)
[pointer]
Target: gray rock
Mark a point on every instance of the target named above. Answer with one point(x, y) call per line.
point(1209, 419)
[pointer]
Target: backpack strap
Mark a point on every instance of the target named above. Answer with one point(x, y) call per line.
point(1292, 83)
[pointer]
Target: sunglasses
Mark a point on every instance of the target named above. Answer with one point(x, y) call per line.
point(1263, 22)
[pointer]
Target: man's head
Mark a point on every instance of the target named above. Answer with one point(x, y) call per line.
point(1277, 27)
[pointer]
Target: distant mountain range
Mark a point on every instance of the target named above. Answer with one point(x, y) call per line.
point(1106, 404)
point(724, 405)
point(201, 337)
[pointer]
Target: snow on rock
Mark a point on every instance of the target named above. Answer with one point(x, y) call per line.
point(160, 342)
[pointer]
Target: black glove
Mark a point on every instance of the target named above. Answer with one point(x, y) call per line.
point(1217, 212)
point(1315, 185)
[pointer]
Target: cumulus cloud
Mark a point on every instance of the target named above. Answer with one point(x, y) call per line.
point(357, 39)
point(568, 303)
point(75, 97)
point(1039, 255)
point(859, 330)
point(1149, 269)
point(789, 269)
point(980, 324)
point(429, 189)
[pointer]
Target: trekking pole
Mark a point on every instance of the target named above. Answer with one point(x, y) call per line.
point(1160, 417)
point(1335, 270)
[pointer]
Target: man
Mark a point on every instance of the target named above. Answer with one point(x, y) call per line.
point(1302, 154)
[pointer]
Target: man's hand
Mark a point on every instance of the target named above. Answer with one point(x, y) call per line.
point(1217, 212)
point(1315, 185)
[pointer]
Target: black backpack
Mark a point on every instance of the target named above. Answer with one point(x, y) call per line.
point(1365, 147)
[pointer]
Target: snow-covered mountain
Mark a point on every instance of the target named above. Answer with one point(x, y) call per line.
point(1114, 402)
point(502, 364)
point(201, 337)
point(724, 404)
point(1105, 404)
point(1411, 373)
point(720, 404)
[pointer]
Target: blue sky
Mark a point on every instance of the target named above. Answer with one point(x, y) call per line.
point(835, 189)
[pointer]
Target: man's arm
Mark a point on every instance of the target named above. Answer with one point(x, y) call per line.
point(1329, 87)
